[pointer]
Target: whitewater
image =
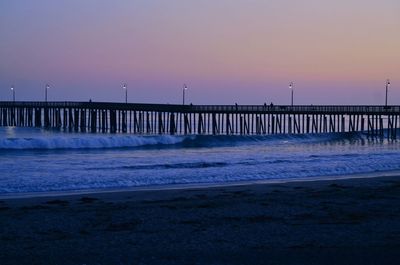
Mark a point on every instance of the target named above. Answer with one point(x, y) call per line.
point(34, 160)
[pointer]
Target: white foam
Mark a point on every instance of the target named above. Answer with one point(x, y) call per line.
point(87, 141)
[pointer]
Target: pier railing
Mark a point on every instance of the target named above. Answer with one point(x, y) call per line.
point(316, 109)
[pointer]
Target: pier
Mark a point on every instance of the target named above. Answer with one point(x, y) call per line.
point(106, 117)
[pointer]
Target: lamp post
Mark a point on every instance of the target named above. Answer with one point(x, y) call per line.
point(291, 88)
point(387, 87)
point(125, 87)
point(13, 93)
point(45, 91)
point(184, 90)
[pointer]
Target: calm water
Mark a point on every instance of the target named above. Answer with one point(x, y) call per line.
point(35, 160)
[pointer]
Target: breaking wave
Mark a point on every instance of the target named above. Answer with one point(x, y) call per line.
point(107, 141)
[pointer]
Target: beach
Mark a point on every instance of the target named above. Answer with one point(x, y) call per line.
point(345, 221)
point(199, 132)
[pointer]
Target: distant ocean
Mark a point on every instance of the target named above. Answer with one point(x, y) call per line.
point(37, 160)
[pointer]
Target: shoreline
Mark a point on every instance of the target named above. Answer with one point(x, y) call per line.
point(194, 186)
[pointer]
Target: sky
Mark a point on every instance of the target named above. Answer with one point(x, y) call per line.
point(226, 51)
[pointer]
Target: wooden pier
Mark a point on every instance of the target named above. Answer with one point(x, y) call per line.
point(104, 117)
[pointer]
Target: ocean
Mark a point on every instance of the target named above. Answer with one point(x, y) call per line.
point(34, 160)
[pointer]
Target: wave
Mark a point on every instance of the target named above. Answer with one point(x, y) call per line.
point(95, 141)
point(85, 142)
point(188, 165)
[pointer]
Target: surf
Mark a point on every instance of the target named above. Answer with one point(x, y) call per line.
point(44, 140)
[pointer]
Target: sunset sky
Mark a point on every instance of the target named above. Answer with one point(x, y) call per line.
point(226, 51)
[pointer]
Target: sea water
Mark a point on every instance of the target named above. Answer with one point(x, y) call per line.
point(37, 160)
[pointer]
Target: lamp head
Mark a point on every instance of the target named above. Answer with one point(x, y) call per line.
point(388, 82)
point(291, 85)
point(125, 86)
point(47, 86)
point(12, 87)
point(185, 87)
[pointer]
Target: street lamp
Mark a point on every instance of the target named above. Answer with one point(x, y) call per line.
point(387, 87)
point(45, 92)
point(183, 90)
point(13, 93)
point(291, 88)
point(125, 87)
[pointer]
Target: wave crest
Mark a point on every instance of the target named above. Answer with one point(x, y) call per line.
point(96, 141)
point(86, 142)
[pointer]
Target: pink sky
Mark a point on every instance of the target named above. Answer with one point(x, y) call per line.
point(336, 52)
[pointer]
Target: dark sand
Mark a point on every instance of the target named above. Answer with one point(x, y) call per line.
point(355, 221)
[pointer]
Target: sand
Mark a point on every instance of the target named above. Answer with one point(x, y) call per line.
point(353, 221)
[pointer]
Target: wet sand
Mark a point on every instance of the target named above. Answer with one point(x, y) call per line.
point(353, 221)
